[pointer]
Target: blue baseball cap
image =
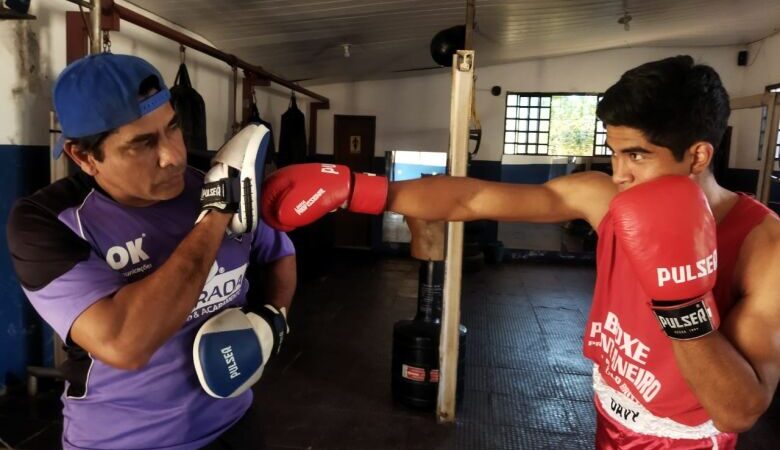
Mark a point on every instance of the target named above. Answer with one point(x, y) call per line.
point(100, 92)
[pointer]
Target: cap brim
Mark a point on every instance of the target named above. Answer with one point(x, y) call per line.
point(59, 146)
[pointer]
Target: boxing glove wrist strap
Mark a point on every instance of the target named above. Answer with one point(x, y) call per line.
point(223, 194)
point(369, 193)
point(687, 319)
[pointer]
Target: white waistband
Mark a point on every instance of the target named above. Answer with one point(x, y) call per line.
point(638, 419)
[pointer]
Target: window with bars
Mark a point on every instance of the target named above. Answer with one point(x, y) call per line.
point(777, 147)
point(553, 124)
point(527, 128)
point(762, 135)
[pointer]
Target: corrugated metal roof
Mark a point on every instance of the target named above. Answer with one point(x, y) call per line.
point(303, 39)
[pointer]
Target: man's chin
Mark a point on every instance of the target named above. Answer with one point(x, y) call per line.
point(171, 190)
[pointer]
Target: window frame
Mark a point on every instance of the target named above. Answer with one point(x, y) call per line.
point(776, 89)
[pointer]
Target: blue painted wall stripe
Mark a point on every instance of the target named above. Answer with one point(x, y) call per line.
point(24, 338)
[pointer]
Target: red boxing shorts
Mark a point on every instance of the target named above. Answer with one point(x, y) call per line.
point(623, 424)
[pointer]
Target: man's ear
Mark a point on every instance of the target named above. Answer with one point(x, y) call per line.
point(702, 153)
point(82, 159)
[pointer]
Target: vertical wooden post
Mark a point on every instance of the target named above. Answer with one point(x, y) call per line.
point(460, 108)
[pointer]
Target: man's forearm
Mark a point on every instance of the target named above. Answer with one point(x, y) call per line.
point(280, 281)
point(722, 379)
point(432, 198)
point(154, 308)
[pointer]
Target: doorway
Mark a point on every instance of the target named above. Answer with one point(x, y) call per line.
point(353, 146)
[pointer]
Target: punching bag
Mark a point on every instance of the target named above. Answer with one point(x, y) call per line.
point(415, 364)
point(191, 109)
point(292, 138)
point(446, 42)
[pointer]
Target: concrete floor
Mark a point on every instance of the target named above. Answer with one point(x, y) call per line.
point(527, 385)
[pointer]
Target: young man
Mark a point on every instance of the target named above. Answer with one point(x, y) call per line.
point(134, 260)
point(668, 373)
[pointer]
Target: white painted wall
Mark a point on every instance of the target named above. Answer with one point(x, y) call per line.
point(413, 113)
point(763, 66)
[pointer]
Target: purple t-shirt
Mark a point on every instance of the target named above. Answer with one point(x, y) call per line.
point(72, 245)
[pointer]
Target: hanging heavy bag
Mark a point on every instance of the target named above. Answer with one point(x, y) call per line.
point(191, 109)
point(292, 138)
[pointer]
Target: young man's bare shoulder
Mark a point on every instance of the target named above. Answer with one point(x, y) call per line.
point(590, 182)
point(764, 236)
point(590, 193)
point(761, 250)
point(597, 180)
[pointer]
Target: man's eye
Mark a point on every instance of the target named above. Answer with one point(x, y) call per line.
point(143, 145)
point(636, 156)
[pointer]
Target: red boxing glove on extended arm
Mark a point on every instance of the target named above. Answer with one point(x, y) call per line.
point(668, 232)
point(300, 194)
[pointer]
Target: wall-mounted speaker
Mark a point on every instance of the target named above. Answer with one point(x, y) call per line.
point(742, 58)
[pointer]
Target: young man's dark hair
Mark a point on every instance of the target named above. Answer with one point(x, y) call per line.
point(674, 102)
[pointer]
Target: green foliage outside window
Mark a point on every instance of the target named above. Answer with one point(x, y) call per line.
point(571, 125)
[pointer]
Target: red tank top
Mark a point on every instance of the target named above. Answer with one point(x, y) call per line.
point(622, 335)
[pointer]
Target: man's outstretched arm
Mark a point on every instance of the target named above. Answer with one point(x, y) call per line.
point(299, 195)
point(582, 195)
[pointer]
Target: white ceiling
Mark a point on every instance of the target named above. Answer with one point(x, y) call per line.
point(302, 39)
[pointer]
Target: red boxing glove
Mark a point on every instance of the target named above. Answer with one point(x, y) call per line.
point(668, 231)
point(300, 194)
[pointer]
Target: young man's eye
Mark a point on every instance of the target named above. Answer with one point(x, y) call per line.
point(636, 156)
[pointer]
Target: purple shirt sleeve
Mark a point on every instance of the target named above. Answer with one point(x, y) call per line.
point(269, 245)
point(64, 299)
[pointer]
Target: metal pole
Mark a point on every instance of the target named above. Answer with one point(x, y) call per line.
point(460, 107)
point(470, 14)
point(765, 174)
point(95, 41)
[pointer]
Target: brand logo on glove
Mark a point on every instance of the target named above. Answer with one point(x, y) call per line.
point(230, 360)
point(304, 205)
point(213, 191)
point(329, 168)
point(701, 315)
point(684, 274)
